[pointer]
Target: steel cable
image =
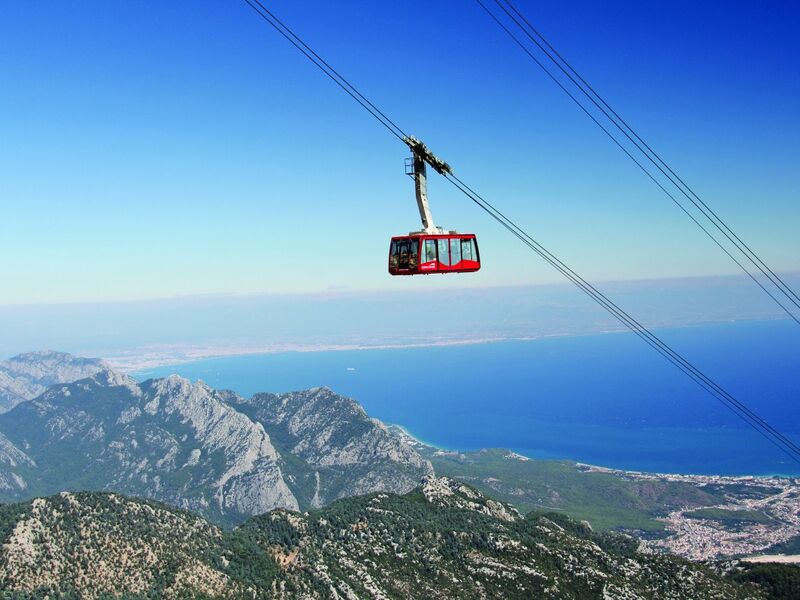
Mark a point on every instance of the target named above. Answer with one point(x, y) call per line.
point(740, 409)
point(647, 151)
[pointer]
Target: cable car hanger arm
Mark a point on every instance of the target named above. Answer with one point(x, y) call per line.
point(422, 155)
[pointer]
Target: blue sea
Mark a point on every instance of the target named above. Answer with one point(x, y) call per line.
point(602, 399)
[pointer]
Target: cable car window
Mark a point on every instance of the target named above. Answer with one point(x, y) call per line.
point(429, 251)
point(402, 254)
point(455, 251)
point(412, 259)
point(466, 249)
point(444, 253)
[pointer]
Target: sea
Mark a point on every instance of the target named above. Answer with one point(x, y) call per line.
point(604, 399)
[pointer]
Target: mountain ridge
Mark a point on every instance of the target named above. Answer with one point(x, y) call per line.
point(229, 457)
point(25, 376)
point(195, 447)
point(350, 452)
point(441, 540)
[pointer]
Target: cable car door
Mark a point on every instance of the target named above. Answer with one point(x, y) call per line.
point(407, 259)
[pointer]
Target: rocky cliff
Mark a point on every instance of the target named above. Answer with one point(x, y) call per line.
point(167, 439)
point(343, 451)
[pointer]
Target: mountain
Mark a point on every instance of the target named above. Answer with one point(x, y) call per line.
point(12, 460)
point(198, 448)
point(25, 376)
point(343, 451)
point(92, 545)
point(229, 458)
point(166, 439)
point(442, 540)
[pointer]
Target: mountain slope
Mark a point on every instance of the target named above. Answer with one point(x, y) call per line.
point(192, 446)
point(443, 540)
point(607, 500)
point(91, 545)
point(343, 451)
point(446, 540)
point(165, 439)
point(25, 376)
point(12, 460)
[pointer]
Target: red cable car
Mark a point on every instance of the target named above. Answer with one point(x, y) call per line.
point(441, 253)
point(431, 250)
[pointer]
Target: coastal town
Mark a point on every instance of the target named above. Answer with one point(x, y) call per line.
point(758, 514)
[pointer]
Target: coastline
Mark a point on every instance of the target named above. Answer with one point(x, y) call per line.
point(177, 355)
point(589, 468)
point(154, 356)
point(667, 445)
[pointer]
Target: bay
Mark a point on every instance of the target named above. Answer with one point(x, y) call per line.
point(603, 399)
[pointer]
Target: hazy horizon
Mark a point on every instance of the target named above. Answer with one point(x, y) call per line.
point(231, 323)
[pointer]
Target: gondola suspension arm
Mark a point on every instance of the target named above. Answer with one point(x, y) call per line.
point(416, 168)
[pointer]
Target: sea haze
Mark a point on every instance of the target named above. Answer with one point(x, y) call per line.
point(602, 399)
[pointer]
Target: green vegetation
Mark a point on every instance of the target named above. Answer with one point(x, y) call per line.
point(743, 490)
point(778, 581)
point(607, 500)
point(412, 547)
point(443, 540)
point(729, 517)
point(790, 546)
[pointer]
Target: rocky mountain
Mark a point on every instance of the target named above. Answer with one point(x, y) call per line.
point(25, 376)
point(343, 451)
point(442, 540)
point(167, 439)
point(13, 460)
point(198, 448)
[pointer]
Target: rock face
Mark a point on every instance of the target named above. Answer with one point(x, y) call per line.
point(12, 459)
point(166, 439)
point(25, 376)
point(192, 446)
point(440, 541)
point(343, 451)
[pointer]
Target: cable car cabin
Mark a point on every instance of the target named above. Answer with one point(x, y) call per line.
point(424, 254)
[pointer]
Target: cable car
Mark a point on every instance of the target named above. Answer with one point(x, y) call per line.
point(431, 250)
point(442, 253)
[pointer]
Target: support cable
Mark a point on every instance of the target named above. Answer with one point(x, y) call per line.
point(323, 66)
point(645, 149)
point(605, 130)
point(740, 409)
point(713, 214)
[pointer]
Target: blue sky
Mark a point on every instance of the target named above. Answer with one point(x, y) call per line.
point(154, 149)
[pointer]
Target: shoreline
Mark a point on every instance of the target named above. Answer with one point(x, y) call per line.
point(163, 355)
point(159, 360)
point(179, 355)
point(590, 468)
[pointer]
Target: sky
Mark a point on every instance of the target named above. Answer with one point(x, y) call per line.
point(161, 149)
